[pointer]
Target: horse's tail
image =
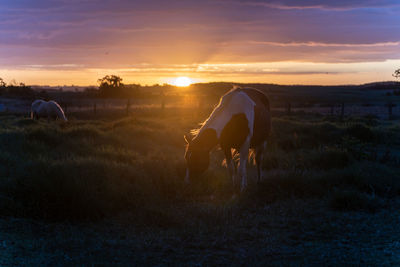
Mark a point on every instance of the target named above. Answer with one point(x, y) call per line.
point(55, 109)
point(266, 102)
point(60, 113)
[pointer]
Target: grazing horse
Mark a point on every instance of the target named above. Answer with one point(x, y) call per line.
point(241, 121)
point(49, 110)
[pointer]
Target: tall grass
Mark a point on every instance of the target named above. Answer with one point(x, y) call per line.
point(88, 169)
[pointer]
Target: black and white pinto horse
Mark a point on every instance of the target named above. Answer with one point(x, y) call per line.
point(241, 122)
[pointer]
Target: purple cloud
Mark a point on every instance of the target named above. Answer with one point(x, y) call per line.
point(110, 34)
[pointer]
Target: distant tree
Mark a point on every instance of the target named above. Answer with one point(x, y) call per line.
point(19, 90)
point(90, 91)
point(110, 81)
point(12, 83)
point(2, 83)
point(396, 73)
point(110, 86)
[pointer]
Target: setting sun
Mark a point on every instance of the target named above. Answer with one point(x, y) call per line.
point(182, 81)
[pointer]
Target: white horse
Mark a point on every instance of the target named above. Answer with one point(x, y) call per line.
point(49, 110)
point(241, 121)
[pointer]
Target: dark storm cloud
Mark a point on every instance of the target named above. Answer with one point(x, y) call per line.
point(119, 33)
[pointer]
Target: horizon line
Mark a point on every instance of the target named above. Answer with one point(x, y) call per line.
point(222, 82)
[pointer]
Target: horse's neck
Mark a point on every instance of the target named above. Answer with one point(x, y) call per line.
point(218, 122)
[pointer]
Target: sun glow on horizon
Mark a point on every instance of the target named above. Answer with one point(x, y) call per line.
point(183, 81)
point(283, 72)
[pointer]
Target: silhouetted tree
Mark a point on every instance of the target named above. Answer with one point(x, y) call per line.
point(12, 83)
point(19, 90)
point(2, 83)
point(110, 81)
point(110, 86)
point(396, 73)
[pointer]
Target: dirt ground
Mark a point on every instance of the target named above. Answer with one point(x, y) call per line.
point(292, 232)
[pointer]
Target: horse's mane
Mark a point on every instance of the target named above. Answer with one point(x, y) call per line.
point(223, 102)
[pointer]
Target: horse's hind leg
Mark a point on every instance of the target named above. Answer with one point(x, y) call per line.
point(259, 159)
point(258, 164)
point(244, 154)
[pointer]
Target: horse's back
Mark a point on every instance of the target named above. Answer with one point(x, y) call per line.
point(54, 105)
point(262, 116)
point(36, 104)
point(258, 97)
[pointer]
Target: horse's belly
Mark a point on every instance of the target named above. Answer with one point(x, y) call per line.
point(262, 126)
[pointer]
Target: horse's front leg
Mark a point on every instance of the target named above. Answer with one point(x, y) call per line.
point(244, 154)
point(229, 164)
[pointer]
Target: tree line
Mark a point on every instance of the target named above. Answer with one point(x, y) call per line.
point(15, 89)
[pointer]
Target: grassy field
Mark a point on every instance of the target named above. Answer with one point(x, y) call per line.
point(109, 189)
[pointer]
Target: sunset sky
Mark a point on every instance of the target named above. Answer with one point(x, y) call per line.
point(64, 42)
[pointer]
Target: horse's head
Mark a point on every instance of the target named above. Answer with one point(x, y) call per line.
point(197, 153)
point(197, 159)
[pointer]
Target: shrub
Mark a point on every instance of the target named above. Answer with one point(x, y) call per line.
point(86, 188)
point(361, 132)
point(294, 135)
point(330, 159)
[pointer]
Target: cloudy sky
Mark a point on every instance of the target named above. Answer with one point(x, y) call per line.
point(61, 42)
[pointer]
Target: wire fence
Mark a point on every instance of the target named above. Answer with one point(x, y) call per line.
point(388, 110)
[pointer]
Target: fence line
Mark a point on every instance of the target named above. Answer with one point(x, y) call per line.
point(389, 110)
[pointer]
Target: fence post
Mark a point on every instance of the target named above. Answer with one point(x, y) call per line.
point(288, 108)
point(390, 110)
point(128, 106)
point(342, 112)
point(94, 108)
point(162, 100)
point(200, 105)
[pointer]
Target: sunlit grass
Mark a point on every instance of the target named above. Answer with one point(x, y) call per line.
point(89, 169)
